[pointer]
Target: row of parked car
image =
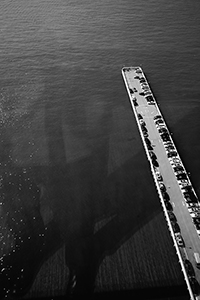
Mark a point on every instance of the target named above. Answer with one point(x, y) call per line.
point(185, 186)
point(146, 92)
point(191, 200)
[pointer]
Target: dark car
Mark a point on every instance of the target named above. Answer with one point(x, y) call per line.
point(135, 102)
point(162, 130)
point(189, 268)
point(172, 216)
point(144, 129)
point(190, 194)
point(152, 155)
point(149, 98)
point(196, 220)
point(140, 116)
point(168, 206)
point(165, 137)
point(131, 91)
point(148, 142)
point(142, 94)
point(181, 176)
point(176, 227)
point(188, 189)
point(197, 226)
point(165, 196)
point(171, 154)
point(169, 148)
point(155, 163)
point(178, 168)
point(149, 147)
point(143, 125)
point(194, 285)
point(157, 117)
point(189, 200)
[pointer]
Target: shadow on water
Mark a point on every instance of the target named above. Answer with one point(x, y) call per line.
point(45, 207)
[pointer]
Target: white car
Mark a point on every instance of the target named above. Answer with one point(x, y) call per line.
point(175, 161)
point(192, 209)
point(159, 176)
point(195, 214)
point(179, 239)
point(183, 182)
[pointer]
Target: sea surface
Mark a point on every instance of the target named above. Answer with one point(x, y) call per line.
point(71, 158)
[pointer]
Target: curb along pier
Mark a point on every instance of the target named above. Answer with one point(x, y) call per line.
point(179, 201)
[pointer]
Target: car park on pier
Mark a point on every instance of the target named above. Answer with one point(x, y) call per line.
point(178, 197)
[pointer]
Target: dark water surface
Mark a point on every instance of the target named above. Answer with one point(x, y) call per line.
point(75, 185)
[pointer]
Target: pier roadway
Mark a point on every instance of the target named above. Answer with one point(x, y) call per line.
point(148, 112)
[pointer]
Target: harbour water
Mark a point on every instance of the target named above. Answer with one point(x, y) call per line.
point(69, 147)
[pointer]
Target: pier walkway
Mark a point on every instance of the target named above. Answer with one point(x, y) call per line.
point(178, 198)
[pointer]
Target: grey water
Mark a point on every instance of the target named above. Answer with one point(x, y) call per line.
point(66, 126)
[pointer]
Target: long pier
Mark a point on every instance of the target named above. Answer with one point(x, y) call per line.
point(178, 198)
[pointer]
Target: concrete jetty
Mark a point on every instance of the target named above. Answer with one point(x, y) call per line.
point(180, 203)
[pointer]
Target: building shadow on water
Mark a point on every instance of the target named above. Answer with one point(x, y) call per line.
point(64, 203)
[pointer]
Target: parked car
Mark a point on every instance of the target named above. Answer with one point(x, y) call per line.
point(195, 214)
point(194, 209)
point(179, 239)
point(159, 176)
point(135, 102)
point(162, 187)
point(178, 168)
point(147, 93)
point(144, 129)
point(165, 137)
point(159, 121)
point(148, 142)
point(166, 196)
point(196, 220)
point(197, 228)
point(172, 216)
point(152, 155)
point(189, 268)
point(141, 121)
point(175, 161)
point(149, 98)
point(168, 206)
point(149, 147)
point(194, 286)
point(181, 176)
point(170, 148)
point(157, 117)
point(142, 94)
point(155, 163)
point(162, 130)
point(176, 227)
point(189, 193)
point(183, 182)
point(171, 154)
